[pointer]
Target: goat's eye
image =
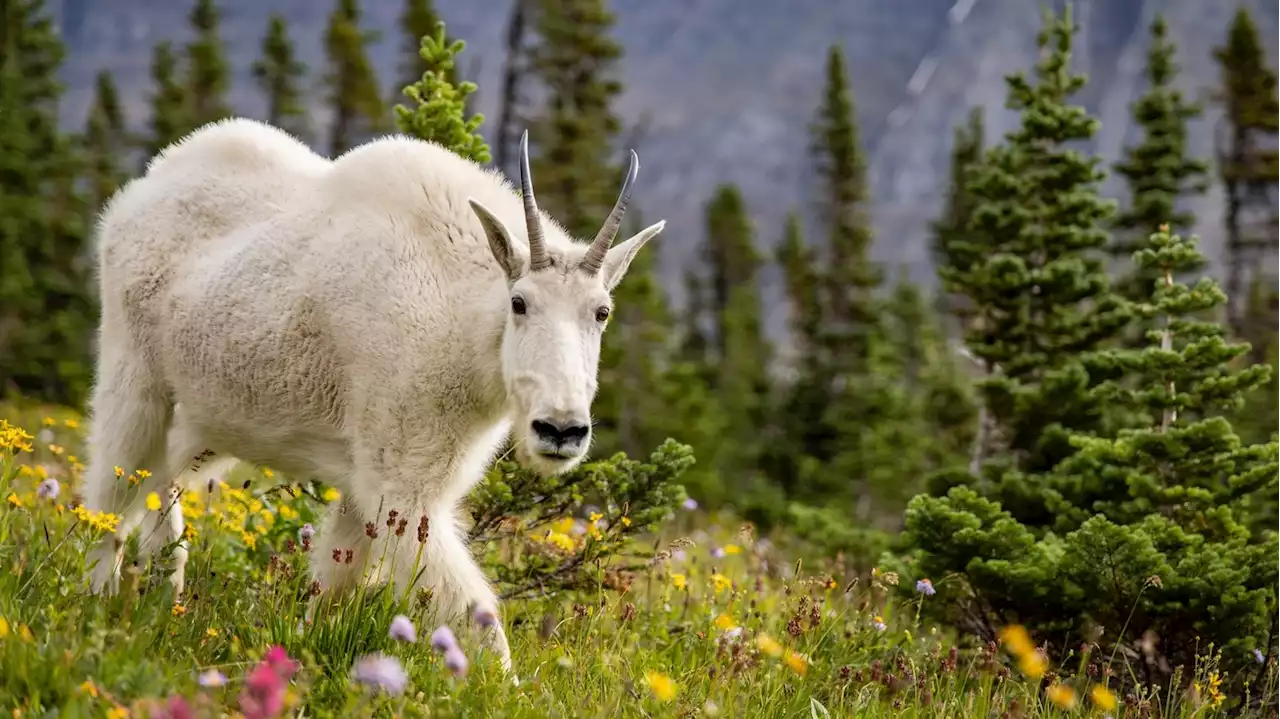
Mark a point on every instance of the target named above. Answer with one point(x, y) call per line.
point(602, 314)
point(517, 305)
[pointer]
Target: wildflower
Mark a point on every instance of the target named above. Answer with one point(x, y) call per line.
point(724, 621)
point(797, 662)
point(13, 499)
point(1061, 695)
point(878, 622)
point(263, 693)
point(48, 489)
point(768, 645)
point(1033, 664)
point(307, 532)
point(14, 438)
point(456, 662)
point(88, 687)
point(1016, 638)
point(690, 503)
point(721, 582)
point(1103, 698)
point(71, 423)
point(49, 421)
point(626, 521)
point(594, 517)
point(925, 587)
point(178, 610)
point(119, 471)
point(4, 628)
point(212, 678)
point(117, 712)
point(331, 495)
point(1259, 656)
point(402, 629)
point(732, 549)
point(485, 617)
point(381, 672)
point(153, 502)
point(661, 685)
point(442, 639)
point(678, 581)
point(176, 708)
point(211, 631)
point(717, 553)
point(142, 474)
point(278, 660)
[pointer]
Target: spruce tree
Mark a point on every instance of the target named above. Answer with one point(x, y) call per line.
point(47, 306)
point(279, 75)
point(418, 20)
point(949, 231)
point(1247, 159)
point(168, 103)
point(1037, 288)
point(1158, 170)
point(440, 102)
point(106, 144)
point(208, 74)
point(354, 98)
point(575, 60)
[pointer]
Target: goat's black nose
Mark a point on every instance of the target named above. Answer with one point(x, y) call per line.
point(560, 433)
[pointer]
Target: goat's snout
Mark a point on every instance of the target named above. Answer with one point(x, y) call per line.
point(560, 438)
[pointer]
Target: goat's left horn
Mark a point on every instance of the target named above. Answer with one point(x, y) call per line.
point(594, 259)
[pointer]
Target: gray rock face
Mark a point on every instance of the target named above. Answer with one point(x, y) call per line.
point(729, 87)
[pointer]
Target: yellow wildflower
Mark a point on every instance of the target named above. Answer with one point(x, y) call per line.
point(14, 438)
point(266, 472)
point(561, 540)
point(768, 645)
point(732, 549)
point(57, 449)
point(1016, 638)
point(142, 473)
point(119, 471)
point(563, 525)
point(331, 495)
point(4, 628)
point(797, 662)
point(724, 621)
point(287, 512)
point(88, 687)
point(71, 423)
point(13, 499)
point(1103, 698)
point(189, 533)
point(1033, 664)
point(661, 685)
point(49, 421)
point(626, 521)
point(595, 517)
point(153, 502)
point(178, 610)
point(721, 582)
point(24, 633)
point(1062, 696)
point(117, 712)
point(211, 632)
point(678, 581)
point(249, 540)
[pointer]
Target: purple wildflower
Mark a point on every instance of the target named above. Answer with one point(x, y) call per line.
point(307, 532)
point(925, 587)
point(48, 489)
point(485, 617)
point(212, 678)
point(718, 553)
point(690, 503)
point(1258, 655)
point(381, 672)
point(402, 629)
point(442, 639)
point(177, 708)
point(456, 662)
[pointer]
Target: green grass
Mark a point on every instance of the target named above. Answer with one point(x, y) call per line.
point(749, 634)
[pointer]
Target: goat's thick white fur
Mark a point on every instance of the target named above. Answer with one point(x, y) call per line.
point(348, 320)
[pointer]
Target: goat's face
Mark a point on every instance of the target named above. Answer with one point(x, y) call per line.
point(556, 315)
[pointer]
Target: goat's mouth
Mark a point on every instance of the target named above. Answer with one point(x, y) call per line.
point(557, 455)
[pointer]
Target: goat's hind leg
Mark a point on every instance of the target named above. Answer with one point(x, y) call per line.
point(129, 415)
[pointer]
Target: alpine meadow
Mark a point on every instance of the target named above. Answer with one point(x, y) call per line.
point(362, 402)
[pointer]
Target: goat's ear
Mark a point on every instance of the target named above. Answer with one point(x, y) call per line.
point(618, 258)
point(504, 250)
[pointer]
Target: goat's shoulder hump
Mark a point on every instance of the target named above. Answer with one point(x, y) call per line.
point(237, 144)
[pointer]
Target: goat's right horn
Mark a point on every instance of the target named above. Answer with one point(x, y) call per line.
point(538, 258)
point(594, 258)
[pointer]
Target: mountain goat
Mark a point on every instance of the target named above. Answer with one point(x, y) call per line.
point(380, 322)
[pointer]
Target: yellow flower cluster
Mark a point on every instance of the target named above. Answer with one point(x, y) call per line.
point(1034, 664)
point(101, 521)
point(14, 439)
point(1210, 689)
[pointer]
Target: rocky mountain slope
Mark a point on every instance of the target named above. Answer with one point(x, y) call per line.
point(728, 87)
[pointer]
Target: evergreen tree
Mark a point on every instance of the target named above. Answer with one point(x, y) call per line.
point(1247, 158)
point(441, 102)
point(1158, 169)
point(168, 102)
point(106, 144)
point(207, 70)
point(574, 58)
point(418, 21)
point(279, 75)
point(47, 309)
point(851, 278)
point(949, 231)
point(354, 98)
point(1039, 295)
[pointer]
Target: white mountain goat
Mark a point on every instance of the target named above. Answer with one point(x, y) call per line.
point(380, 322)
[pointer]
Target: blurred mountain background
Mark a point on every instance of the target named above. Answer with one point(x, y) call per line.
point(724, 90)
